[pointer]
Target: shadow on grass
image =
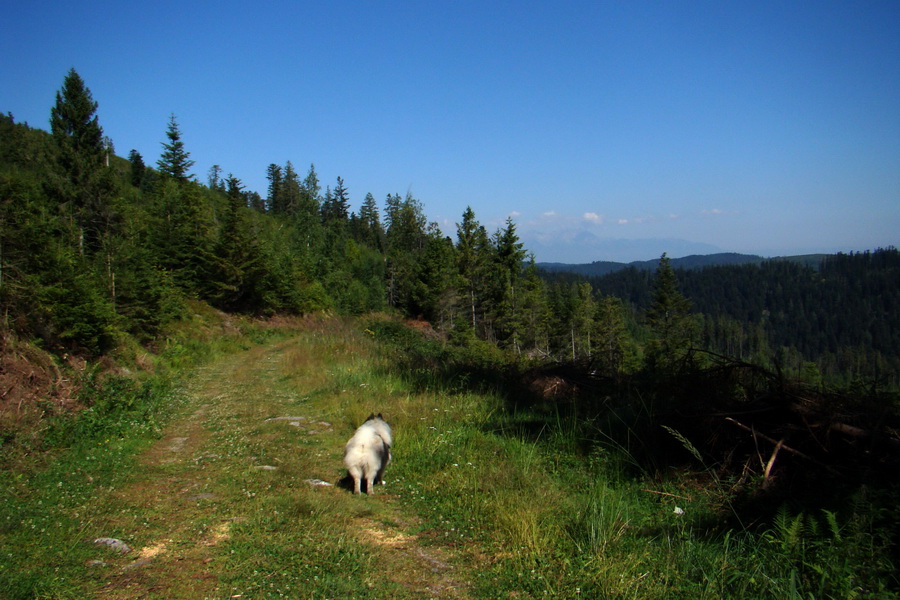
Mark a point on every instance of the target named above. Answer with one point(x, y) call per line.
point(765, 439)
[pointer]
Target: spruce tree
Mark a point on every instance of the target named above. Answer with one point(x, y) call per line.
point(214, 179)
point(368, 229)
point(275, 199)
point(138, 168)
point(82, 182)
point(509, 253)
point(175, 160)
point(612, 336)
point(669, 316)
point(472, 254)
point(292, 190)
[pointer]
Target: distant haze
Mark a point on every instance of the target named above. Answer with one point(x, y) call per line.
point(585, 248)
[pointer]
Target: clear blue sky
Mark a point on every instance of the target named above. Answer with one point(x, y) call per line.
point(608, 130)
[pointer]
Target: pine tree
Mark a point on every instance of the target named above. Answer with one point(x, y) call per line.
point(509, 253)
point(311, 185)
point(83, 184)
point(370, 231)
point(214, 178)
point(535, 310)
point(337, 206)
point(175, 160)
point(405, 239)
point(292, 190)
point(611, 339)
point(582, 320)
point(472, 254)
point(237, 274)
point(669, 316)
point(275, 199)
point(138, 168)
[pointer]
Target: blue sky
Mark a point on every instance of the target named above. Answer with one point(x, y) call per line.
point(607, 130)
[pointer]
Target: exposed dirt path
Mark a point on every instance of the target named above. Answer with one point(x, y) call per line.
point(243, 482)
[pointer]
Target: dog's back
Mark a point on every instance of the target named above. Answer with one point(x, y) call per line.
point(368, 453)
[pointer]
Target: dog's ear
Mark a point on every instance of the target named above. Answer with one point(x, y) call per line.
point(380, 417)
point(371, 416)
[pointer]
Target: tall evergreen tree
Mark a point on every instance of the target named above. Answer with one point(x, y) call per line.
point(535, 310)
point(293, 190)
point(582, 320)
point(405, 239)
point(612, 338)
point(275, 199)
point(237, 275)
point(336, 207)
point(311, 184)
point(669, 316)
point(214, 178)
point(82, 182)
point(369, 230)
point(138, 168)
point(509, 253)
point(175, 161)
point(472, 255)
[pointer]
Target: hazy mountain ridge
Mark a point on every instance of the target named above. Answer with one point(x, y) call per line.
point(694, 261)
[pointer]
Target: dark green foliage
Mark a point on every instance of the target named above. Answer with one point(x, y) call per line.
point(184, 234)
point(669, 318)
point(175, 161)
point(405, 239)
point(367, 227)
point(837, 315)
point(473, 259)
point(275, 201)
point(46, 286)
point(214, 179)
point(335, 208)
point(236, 273)
point(138, 168)
point(81, 180)
point(509, 254)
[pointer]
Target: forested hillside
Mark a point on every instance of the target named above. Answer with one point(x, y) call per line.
point(837, 315)
point(601, 267)
point(94, 247)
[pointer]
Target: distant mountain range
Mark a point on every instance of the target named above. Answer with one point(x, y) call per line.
point(577, 246)
point(696, 261)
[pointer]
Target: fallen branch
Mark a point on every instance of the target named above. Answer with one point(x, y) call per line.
point(771, 462)
point(865, 434)
point(783, 446)
point(667, 494)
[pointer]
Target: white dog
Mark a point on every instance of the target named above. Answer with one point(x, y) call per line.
point(368, 453)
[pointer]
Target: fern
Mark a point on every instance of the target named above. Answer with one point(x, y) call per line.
point(833, 526)
point(789, 530)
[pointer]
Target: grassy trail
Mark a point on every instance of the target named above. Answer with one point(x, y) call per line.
point(227, 505)
point(240, 496)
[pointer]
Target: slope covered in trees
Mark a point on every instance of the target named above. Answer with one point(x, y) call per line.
point(837, 315)
point(94, 247)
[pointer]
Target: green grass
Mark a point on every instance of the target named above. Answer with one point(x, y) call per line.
point(479, 502)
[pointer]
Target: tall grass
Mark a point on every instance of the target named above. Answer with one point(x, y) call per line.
point(566, 510)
